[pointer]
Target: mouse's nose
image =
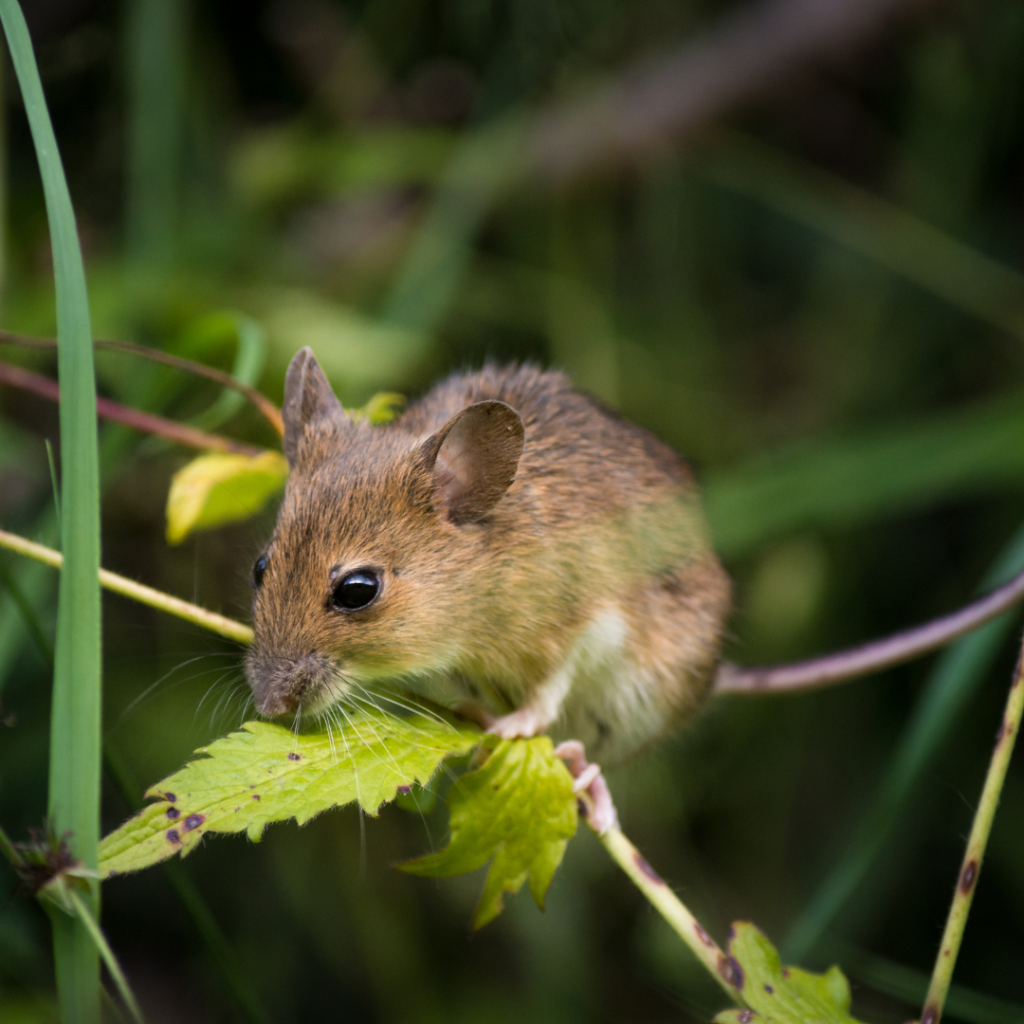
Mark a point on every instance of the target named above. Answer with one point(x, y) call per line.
point(274, 704)
point(281, 682)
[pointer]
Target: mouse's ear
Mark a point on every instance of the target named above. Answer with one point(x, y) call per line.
point(307, 398)
point(474, 458)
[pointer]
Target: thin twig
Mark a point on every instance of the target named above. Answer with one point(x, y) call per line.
point(872, 656)
point(219, 624)
point(967, 880)
point(269, 411)
point(145, 422)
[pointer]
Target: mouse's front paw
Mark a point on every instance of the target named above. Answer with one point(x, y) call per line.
point(522, 723)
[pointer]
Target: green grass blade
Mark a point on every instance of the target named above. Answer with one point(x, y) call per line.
point(75, 718)
point(844, 481)
point(426, 284)
point(953, 681)
point(103, 947)
point(156, 44)
point(904, 244)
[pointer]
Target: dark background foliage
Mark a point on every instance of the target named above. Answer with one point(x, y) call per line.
point(801, 275)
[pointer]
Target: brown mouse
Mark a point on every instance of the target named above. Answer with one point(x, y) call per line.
point(508, 539)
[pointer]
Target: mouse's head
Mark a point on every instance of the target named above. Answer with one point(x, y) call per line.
point(377, 547)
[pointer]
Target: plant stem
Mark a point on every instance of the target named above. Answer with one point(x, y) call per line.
point(971, 867)
point(664, 900)
point(269, 411)
point(83, 912)
point(145, 422)
point(136, 591)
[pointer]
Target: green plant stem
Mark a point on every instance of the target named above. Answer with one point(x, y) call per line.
point(970, 869)
point(83, 912)
point(136, 591)
point(665, 901)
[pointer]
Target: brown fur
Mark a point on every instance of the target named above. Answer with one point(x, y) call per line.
point(595, 556)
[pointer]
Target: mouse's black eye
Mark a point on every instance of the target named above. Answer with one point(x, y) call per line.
point(357, 590)
point(258, 570)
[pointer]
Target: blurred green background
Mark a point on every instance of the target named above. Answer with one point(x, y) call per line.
point(783, 236)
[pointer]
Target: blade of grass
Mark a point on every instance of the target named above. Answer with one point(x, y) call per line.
point(156, 42)
point(75, 743)
point(28, 614)
point(85, 915)
point(34, 583)
point(857, 479)
point(485, 163)
point(865, 223)
point(952, 683)
point(903, 982)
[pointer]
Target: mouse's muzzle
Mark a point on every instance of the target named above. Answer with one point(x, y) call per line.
point(283, 683)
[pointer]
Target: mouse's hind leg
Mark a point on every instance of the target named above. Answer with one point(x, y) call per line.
point(673, 633)
point(677, 624)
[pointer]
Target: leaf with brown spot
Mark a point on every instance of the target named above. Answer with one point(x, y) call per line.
point(787, 995)
point(366, 761)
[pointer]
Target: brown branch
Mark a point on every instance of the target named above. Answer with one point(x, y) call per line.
point(145, 422)
point(872, 656)
point(749, 53)
point(270, 411)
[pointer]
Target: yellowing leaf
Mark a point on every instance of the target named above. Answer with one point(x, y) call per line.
point(519, 809)
point(787, 995)
point(267, 773)
point(219, 488)
point(382, 408)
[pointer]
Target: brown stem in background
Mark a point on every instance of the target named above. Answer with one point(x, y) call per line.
point(269, 411)
point(872, 656)
point(145, 422)
point(750, 52)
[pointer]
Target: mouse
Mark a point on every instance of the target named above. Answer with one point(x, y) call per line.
point(507, 541)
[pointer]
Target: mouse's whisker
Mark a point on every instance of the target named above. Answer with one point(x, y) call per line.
point(408, 703)
point(142, 697)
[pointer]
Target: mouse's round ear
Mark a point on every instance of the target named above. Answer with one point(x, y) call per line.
point(307, 398)
point(473, 458)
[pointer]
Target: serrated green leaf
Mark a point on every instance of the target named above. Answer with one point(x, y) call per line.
point(220, 488)
point(519, 809)
point(788, 995)
point(267, 773)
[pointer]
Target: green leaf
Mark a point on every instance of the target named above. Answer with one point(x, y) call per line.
point(267, 773)
point(788, 995)
point(519, 809)
point(382, 408)
point(220, 488)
